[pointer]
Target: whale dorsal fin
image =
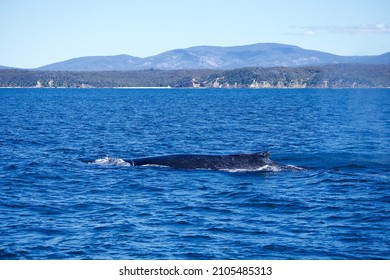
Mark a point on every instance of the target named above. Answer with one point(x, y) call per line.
point(264, 154)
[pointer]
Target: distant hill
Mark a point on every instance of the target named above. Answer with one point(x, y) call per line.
point(5, 67)
point(94, 63)
point(208, 57)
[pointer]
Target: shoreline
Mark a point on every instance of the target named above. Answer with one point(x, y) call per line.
point(328, 76)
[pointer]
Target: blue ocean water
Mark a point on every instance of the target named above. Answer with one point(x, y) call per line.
point(66, 191)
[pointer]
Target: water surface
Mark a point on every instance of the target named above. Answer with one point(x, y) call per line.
point(60, 198)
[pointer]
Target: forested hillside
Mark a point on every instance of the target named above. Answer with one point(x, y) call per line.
point(211, 57)
point(335, 75)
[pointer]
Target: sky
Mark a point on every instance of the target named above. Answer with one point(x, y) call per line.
point(34, 33)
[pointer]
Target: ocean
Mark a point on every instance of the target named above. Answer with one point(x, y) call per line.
point(67, 190)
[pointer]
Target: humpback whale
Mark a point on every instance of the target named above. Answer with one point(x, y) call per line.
point(236, 162)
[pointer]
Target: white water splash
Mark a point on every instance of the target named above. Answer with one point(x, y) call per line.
point(267, 168)
point(110, 161)
point(291, 167)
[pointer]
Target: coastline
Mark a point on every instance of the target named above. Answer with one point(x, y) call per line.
point(326, 76)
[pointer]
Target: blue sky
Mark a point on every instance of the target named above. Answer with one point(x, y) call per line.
point(34, 33)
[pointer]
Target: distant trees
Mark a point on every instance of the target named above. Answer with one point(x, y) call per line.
point(335, 75)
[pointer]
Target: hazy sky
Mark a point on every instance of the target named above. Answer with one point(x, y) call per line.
point(38, 32)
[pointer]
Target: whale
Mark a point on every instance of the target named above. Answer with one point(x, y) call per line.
point(259, 161)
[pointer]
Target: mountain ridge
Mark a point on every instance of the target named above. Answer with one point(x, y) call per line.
point(214, 57)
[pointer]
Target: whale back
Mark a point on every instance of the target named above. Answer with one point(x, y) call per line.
point(212, 162)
